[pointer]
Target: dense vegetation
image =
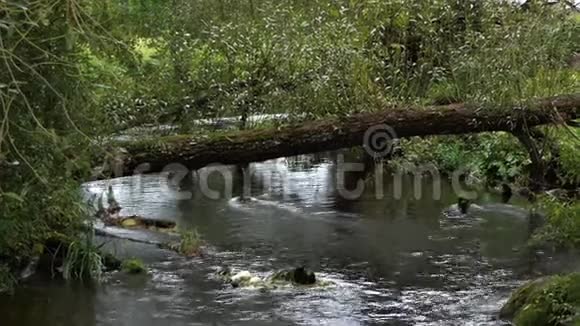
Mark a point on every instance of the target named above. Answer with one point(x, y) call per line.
point(72, 72)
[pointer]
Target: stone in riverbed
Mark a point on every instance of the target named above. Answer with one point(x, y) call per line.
point(129, 223)
point(519, 298)
point(298, 275)
point(547, 301)
point(134, 266)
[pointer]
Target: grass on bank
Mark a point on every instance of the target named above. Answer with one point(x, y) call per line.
point(190, 243)
point(83, 261)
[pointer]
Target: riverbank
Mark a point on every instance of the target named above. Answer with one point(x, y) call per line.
point(548, 301)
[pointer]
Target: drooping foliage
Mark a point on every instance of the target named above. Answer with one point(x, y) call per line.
point(43, 126)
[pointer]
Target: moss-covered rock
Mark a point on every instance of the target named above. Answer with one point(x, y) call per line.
point(134, 266)
point(519, 298)
point(280, 279)
point(546, 301)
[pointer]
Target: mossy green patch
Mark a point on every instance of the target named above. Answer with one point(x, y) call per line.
point(134, 266)
point(547, 301)
point(519, 298)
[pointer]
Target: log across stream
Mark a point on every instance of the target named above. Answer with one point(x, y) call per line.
point(242, 147)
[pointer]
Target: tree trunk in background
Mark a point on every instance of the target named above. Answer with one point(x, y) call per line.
point(538, 166)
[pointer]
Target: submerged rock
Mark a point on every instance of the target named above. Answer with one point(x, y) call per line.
point(242, 276)
point(296, 276)
point(547, 301)
point(224, 272)
point(463, 205)
point(461, 209)
point(241, 279)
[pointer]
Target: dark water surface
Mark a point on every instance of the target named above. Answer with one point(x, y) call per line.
point(393, 261)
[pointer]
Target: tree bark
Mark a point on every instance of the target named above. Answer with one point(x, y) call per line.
point(241, 147)
point(538, 166)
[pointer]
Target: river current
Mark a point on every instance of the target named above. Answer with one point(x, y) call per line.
point(393, 258)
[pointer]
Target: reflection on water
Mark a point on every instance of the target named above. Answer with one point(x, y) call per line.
point(393, 261)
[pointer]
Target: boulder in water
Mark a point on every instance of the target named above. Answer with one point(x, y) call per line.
point(304, 277)
point(224, 272)
point(241, 278)
point(506, 193)
point(553, 300)
point(298, 275)
point(463, 205)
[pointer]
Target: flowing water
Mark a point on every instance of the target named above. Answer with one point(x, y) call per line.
point(393, 258)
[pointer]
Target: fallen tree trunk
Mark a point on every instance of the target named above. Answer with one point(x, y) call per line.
point(331, 134)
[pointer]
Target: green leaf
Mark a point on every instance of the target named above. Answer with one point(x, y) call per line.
point(13, 196)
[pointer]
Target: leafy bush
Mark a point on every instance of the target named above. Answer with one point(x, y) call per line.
point(568, 141)
point(563, 223)
point(44, 130)
point(40, 200)
point(485, 157)
point(501, 157)
point(7, 280)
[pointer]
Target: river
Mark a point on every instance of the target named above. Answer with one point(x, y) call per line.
point(394, 259)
